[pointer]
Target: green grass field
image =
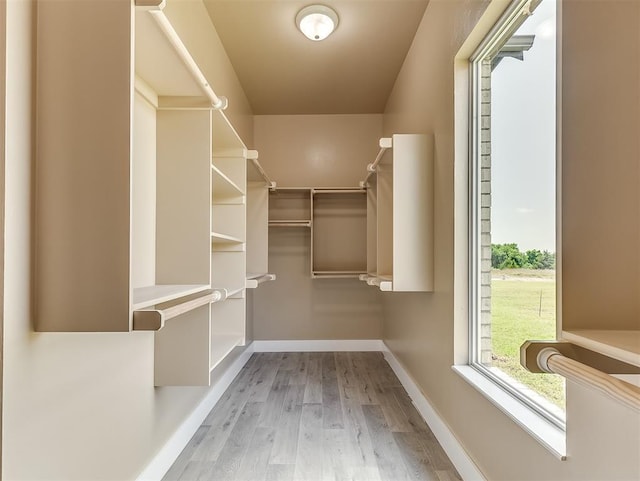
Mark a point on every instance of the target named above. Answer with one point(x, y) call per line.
point(523, 306)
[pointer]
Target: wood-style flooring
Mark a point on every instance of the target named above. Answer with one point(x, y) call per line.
point(314, 417)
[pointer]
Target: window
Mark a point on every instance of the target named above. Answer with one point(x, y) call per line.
point(513, 202)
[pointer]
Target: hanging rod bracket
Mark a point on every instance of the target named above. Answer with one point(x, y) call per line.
point(530, 354)
point(221, 104)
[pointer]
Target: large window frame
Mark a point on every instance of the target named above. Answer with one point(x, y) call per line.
point(511, 20)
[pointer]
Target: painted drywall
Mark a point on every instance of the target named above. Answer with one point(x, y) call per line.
point(601, 165)
point(76, 406)
point(314, 151)
point(603, 439)
point(191, 20)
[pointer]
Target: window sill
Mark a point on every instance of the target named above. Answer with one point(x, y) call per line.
point(546, 433)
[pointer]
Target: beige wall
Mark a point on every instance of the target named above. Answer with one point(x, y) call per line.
point(314, 151)
point(602, 437)
point(76, 406)
point(601, 165)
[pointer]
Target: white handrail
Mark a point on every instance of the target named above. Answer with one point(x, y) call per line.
point(218, 103)
point(385, 143)
point(551, 360)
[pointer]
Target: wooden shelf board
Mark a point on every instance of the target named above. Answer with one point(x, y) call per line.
point(623, 345)
point(223, 186)
point(254, 280)
point(337, 274)
point(219, 238)
point(221, 346)
point(289, 223)
point(152, 295)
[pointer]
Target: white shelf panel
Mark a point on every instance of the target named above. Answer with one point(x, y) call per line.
point(254, 280)
point(219, 238)
point(151, 295)
point(221, 346)
point(289, 223)
point(623, 345)
point(223, 187)
point(336, 274)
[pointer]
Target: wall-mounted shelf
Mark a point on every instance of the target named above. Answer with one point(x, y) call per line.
point(289, 223)
point(224, 189)
point(623, 345)
point(151, 295)
point(399, 209)
point(254, 280)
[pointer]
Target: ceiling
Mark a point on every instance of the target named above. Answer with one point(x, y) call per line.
point(283, 72)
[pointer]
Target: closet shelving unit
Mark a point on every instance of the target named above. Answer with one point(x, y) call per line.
point(258, 186)
point(338, 234)
point(336, 219)
point(141, 191)
point(290, 207)
point(399, 208)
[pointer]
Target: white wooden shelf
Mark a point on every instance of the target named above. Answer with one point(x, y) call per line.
point(226, 242)
point(254, 280)
point(223, 187)
point(152, 295)
point(336, 274)
point(623, 345)
point(289, 223)
point(221, 346)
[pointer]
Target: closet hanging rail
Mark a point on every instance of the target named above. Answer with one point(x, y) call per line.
point(385, 144)
point(155, 10)
point(252, 155)
point(541, 356)
point(154, 319)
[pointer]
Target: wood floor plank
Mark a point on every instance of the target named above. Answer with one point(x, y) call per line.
point(275, 400)
point(279, 472)
point(236, 446)
point(269, 365)
point(335, 453)
point(176, 471)
point(332, 407)
point(366, 388)
point(388, 458)
point(254, 464)
point(357, 431)
point(313, 388)
point(308, 463)
point(415, 457)
point(286, 437)
point(299, 371)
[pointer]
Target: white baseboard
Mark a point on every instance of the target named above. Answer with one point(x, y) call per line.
point(167, 455)
point(354, 345)
point(458, 456)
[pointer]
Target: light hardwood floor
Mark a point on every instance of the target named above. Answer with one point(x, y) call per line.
point(314, 417)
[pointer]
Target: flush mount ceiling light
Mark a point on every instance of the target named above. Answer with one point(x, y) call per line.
point(317, 22)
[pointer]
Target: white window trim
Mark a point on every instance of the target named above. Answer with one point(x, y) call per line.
point(549, 434)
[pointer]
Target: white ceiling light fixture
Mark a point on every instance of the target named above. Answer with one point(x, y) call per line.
point(317, 22)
